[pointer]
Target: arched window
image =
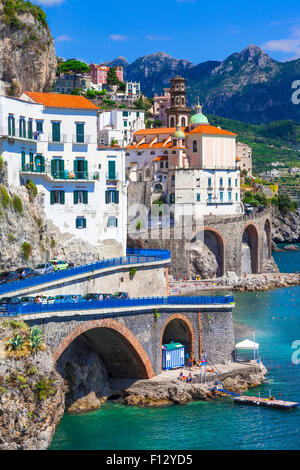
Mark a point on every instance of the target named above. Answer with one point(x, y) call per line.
point(177, 100)
point(172, 122)
point(183, 121)
point(194, 145)
point(172, 101)
point(182, 100)
point(152, 153)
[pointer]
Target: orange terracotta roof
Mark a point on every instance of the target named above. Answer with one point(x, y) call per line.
point(159, 159)
point(208, 129)
point(57, 100)
point(156, 130)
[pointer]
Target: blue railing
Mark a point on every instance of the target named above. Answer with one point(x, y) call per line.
point(134, 256)
point(117, 303)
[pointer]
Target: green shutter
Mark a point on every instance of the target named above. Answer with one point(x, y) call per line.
point(53, 168)
point(42, 164)
point(56, 131)
point(75, 195)
point(51, 197)
point(75, 167)
point(23, 160)
point(107, 198)
point(116, 222)
point(77, 223)
point(111, 170)
point(85, 169)
point(62, 168)
point(62, 197)
point(30, 129)
point(85, 197)
point(117, 197)
point(79, 132)
point(84, 223)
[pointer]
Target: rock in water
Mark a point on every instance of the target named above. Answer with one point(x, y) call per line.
point(27, 53)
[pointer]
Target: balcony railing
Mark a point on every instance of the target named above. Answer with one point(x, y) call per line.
point(112, 177)
point(81, 139)
point(65, 175)
point(54, 139)
point(17, 133)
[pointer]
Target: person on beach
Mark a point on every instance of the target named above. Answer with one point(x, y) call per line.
point(180, 375)
point(190, 378)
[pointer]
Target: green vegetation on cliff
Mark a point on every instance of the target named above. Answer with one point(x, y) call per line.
point(275, 141)
point(13, 8)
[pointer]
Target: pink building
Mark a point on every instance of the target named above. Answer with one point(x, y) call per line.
point(99, 73)
point(160, 104)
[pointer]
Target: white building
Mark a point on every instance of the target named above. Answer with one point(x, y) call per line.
point(119, 126)
point(200, 161)
point(51, 139)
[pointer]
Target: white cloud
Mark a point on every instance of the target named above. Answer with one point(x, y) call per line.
point(118, 37)
point(64, 38)
point(158, 38)
point(288, 46)
point(49, 3)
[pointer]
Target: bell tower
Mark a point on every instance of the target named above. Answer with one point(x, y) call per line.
point(178, 112)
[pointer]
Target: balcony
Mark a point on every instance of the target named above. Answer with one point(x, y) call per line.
point(57, 139)
point(112, 176)
point(63, 175)
point(18, 134)
point(81, 139)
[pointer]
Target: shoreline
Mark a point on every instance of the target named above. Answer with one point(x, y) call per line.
point(232, 282)
point(166, 389)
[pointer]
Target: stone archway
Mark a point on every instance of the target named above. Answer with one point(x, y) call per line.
point(207, 253)
point(249, 261)
point(121, 352)
point(178, 328)
point(267, 239)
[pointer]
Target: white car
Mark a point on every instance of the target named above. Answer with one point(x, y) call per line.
point(44, 268)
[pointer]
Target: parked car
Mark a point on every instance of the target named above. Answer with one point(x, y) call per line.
point(107, 296)
point(120, 295)
point(59, 265)
point(40, 299)
point(77, 297)
point(44, 268)
point(10, 301)
point(71, 265)
point(25, 272)
point(10, 277)
point(50, 299)
point(59, 298)
point(260, 209)
point(3, 276)
point(27, 300)
point(90, 297)
point(248, 209)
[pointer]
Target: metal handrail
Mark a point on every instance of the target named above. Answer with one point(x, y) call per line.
point(136, 257)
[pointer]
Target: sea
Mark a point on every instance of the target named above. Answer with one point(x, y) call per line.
point(274, 317)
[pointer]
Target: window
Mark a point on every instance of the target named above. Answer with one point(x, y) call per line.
point(39, 126)
point(173, 180)
point(194, 145)
point(55, 131)
point(198, 197)
point(236, 182)
point(221, 182)
point(229, 196)
point(22, 129)
point(229, 182)
point(57, 197)
point(198, 182)
point(11, 125)
point(221, 196)
point(209, 197)
point(111, 195)
point(125, 123)
point(167, 164)
point(80, 132)
point(125, 114)
point(80, 222)
point(23, 158)
point(161, 165)
point(236, 197)
point(80, 197)
point(172, 198)
point(209, 182)
point(30, 129)
point(111, 169)
point(112, 222)
point(81, 168)
point(58, 168)
point(137, 114)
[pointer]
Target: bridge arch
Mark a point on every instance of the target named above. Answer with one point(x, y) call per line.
point(215, 241)
point(178, 328)
point(120, 350)
point(250, 240)
point(267, 239)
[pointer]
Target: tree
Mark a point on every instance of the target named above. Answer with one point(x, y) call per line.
point(73, 66)
point(112, 78)
point(122, 86)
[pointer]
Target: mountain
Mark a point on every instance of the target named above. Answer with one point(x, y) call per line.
point(249, 85)
point(155, 70)
point(119, 61)
point(27, 53)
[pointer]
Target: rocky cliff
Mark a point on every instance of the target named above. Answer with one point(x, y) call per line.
point(286, 227)
point(27, 53)
point(31, 392)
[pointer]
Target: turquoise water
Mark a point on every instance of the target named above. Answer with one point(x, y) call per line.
point(275, 318)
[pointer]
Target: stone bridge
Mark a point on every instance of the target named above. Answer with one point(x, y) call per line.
point(128, 338)
point(240, 243)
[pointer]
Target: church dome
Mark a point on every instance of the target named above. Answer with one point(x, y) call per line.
point(199, 117)
point(179, 134)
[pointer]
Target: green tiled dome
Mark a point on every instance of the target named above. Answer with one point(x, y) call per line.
point(199, 117)
point(178, 134)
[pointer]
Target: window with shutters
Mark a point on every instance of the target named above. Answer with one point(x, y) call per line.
point(81, 168)
point(198, 197)
point(30, 129)
point(80, 222)
point(39, 126)
point(58, 168)
point(172, 198)
point(112, 222)
point(111, 196)
point(23, 157)
point(11, 125)
point(57, 197)
point(22, 130)
point(79, 132)
point(111, 170)
point(55, 131)
point(81, 197)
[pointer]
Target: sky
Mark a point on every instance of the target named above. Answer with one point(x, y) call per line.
point(197, 30)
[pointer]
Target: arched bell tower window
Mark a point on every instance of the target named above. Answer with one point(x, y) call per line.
point(194, 145)
point(172, 122)
point(183, 122)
